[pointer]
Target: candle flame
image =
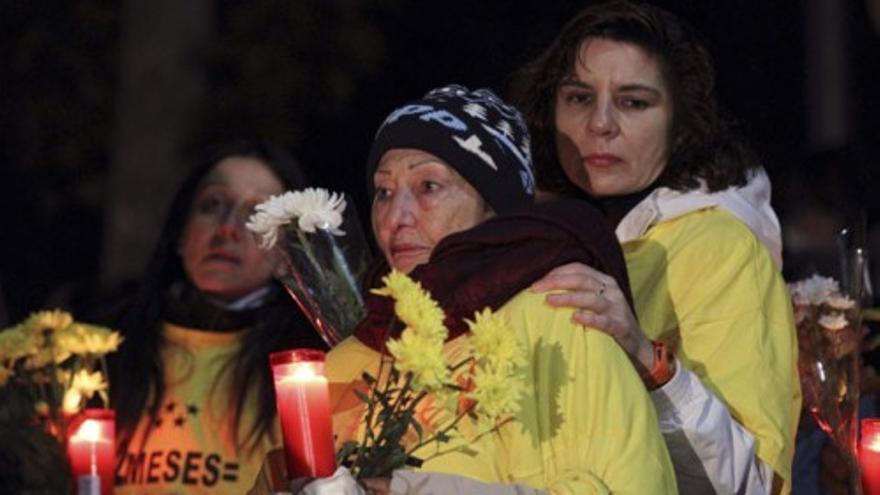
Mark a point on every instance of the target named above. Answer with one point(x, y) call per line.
point(301, 372)
point(89, 431)
point(304, 371)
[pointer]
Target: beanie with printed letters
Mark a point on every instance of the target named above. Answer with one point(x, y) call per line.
point(475, 132)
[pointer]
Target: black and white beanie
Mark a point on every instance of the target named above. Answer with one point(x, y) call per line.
point(475, 132)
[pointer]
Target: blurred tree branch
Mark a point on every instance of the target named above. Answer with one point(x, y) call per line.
point(162, 88)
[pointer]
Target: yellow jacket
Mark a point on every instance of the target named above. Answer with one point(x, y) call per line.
point(586, 424)
point(704, 284)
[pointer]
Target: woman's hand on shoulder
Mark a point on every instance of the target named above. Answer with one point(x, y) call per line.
point(599, 303)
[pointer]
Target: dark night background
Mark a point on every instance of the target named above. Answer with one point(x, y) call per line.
point(102, 104)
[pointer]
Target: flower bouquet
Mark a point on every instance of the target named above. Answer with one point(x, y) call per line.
point(50, 367)
point(829, 340)
point(419, 397)
point(323, 252)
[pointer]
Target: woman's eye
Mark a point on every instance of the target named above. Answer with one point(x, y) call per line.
point(634, 103)
point(430, 186)
point(209, 205)
point(578, 98)
point(381, 194)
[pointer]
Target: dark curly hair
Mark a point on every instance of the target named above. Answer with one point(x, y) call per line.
point(702, 145)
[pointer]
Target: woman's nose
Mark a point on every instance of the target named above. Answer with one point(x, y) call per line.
point(602, 120)
point(401, 211)
point(231, 225)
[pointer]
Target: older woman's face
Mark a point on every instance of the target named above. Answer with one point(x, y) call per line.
point(420, 200)
point(613, 119)
point(220, 256)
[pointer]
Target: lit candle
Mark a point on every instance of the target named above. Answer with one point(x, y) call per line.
point(303, 402)
point(869, 456)
point(90, 449)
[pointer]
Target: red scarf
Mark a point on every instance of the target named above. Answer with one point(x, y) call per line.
point(489, 264)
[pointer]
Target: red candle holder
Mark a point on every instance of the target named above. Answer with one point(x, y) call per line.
point(90, 449)
point(303, 401)
point(869, 456)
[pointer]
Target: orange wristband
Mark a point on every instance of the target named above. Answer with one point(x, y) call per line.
point(663, 367)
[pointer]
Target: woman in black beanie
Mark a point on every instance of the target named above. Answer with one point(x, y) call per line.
point(452, 206)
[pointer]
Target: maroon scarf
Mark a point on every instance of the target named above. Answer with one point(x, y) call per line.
point(489, 264)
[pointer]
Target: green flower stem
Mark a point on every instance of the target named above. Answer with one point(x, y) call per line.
point(444, 431)
point(368, 420)
point(395, 399)
point(475, 439)
point(43, 395)
point(345, 271)
point(383, 437)
point(104, 399)
point(463, 362)
point(307, 250)
point(395, 407)
point(404, 392)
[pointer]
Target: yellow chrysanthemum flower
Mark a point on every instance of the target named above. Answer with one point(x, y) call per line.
point(82, 339)
point(420, 350)
point(72, 401)
point(55, 320)
point(492, 341)
point(496, 393)
point(422, 357)
point(85, 385)
point(15, 343)
point(414, 306)
point(421, 314)
point(395, 283)
point(44, 357)
point(497, 355)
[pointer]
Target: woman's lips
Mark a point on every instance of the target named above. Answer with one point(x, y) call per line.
point(602, 160)
point(223, 257)
point(403, 252)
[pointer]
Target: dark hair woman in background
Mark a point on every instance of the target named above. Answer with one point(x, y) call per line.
point(191, 385)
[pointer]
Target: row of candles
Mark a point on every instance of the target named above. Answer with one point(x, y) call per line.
point(303, 403)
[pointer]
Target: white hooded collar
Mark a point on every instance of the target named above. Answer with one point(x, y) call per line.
point(749, 203)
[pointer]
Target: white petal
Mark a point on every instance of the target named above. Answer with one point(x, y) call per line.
point(833, 322)
point(841, 302)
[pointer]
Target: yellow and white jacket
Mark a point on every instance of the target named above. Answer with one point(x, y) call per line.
point(704, 271)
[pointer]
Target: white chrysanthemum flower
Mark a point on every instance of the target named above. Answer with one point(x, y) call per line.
point(269, 215)
point(814, 290)
point(312, 208)
point(833, 322)
point(841, 302)
point(318, 209)
point(266, 227)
